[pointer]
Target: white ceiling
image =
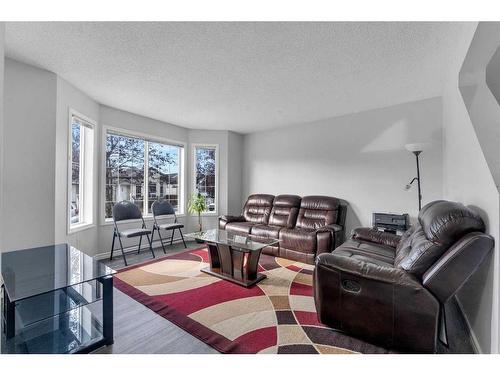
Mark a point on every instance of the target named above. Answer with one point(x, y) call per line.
point(244, 77)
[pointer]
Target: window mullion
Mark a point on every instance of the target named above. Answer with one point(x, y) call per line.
point(146, 178)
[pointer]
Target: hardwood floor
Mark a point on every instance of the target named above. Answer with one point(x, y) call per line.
point(139, 330)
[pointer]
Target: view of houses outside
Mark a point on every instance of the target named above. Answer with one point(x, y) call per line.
point(127, 170)
point(75, 171)
point(205, 174)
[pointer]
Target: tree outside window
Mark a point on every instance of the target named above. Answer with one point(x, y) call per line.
point(133, 176)
point(205, 170)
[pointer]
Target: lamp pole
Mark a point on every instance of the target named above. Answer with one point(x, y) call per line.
point(417, 153)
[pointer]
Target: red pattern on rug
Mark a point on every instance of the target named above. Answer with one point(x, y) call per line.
point(275, 316)
point(197, 299)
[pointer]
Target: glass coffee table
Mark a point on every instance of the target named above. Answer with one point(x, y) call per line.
point(233, 257)
point(56, 299)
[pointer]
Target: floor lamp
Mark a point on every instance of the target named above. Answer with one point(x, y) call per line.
point(416, 149)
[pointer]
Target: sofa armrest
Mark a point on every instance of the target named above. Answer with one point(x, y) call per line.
point(376, 236)
point(225, 219)
point(329, 237)
point(368, 270)
point(351, 293)
point(231, 219)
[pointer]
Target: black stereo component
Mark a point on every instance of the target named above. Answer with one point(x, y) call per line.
point(391, 222)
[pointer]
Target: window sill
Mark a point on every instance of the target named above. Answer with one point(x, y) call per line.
point(209, 214)
point(80, 227)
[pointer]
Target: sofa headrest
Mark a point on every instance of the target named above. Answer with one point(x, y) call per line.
point(287, 201)
point(318, 202)
point(260, 200)
point(446, 222)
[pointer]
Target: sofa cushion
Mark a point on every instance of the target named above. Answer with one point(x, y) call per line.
point(285, 211)
point(303, 240)
point(363, 248)
point(363, 257)
point(258, 208)
point(299, 256)
point(317, 211)
point(240, 227)
point(265, 231)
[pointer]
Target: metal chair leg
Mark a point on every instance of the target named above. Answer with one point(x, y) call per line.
point(150, 246)
point(112, 245)
point(184, 242)
point(161, 241)
point(139, 248)
point(172, 238)
point(123, 252)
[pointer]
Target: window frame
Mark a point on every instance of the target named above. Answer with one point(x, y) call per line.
point(86, 173)
point(147, 138)
point(194, 146)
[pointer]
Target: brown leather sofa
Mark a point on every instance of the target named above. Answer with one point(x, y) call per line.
point(391, 290)
point(305, 226)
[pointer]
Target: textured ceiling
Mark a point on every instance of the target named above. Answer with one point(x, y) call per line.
point(242, 76)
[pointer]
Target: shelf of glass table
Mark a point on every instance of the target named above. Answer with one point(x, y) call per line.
point(68, 332)
point(33, 309)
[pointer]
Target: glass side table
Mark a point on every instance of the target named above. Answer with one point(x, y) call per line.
point(56, 299)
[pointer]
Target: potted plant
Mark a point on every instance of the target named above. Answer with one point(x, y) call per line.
point(197, 204)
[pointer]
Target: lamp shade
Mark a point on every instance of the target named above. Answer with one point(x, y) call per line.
point(417, 147)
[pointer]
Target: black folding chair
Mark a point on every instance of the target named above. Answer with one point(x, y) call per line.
point(162, 209)
point(126, 210)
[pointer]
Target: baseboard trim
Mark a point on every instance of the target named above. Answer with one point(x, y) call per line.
point(133, 249)
point(470, 332)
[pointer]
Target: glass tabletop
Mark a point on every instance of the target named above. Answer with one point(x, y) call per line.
point(245, 243)
point(30, 272)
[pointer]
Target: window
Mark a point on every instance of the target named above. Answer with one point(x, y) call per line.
point(205, 174)
point(80, 176)
point(141, 170)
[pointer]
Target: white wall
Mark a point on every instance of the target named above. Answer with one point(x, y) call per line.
point(2, 43)
point(468, 178)
point(69, 97)
point(359, 158)
point(29, 156)
point(235, 173)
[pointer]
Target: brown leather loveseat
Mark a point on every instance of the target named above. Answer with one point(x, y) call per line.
point(391, 290)
point(305, 226)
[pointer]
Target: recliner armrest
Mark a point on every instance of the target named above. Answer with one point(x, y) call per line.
point(330, 227)
point(367, 270)
point(376, 236)
point(329, 237)
point(231, 219)
point(225, 219)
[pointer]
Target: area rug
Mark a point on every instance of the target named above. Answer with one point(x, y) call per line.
point(275, 316)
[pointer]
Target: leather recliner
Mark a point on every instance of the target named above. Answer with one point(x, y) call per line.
point(305, 226)
point(391, 290)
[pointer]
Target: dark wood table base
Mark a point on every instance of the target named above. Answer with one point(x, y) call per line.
point(234, 265)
